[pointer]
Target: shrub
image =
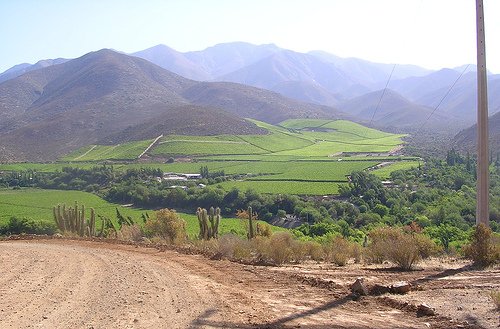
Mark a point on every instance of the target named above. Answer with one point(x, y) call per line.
point(495, 296)
point(403, 249)
point(167, 225)
point(339, 250)
point(263, 229)
point(234, 247)
point(26, 225)
point(130, 233)
point(484, 248)
point(314, 250)
point(278, 249)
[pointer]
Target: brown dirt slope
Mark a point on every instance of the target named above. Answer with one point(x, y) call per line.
point(79, 284)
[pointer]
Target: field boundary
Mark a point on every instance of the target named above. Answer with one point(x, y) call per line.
point(150, 146)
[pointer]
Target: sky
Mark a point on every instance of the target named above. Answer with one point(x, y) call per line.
point(430, 33)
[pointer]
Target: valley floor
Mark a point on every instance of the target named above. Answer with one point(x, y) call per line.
point(82, 284)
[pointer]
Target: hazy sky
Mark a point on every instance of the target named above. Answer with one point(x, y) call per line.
point(429, 33)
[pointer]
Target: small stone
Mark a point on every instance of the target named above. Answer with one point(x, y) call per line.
point(178, 310)
point(44, 317)
point(425, 310)
point(379, 289)
point(401, 287)
point(359, 288)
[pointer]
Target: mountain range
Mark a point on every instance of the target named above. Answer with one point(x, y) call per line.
point(96, 98)
point(107, 97)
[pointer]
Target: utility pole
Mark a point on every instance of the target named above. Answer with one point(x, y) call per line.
point(482, 212)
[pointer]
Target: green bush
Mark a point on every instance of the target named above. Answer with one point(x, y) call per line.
point(167, 225)
point(17, 225)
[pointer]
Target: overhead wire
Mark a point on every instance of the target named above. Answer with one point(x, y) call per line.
point(443, 98)
point(383, 93)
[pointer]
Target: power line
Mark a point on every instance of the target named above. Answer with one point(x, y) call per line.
point(442, 99)
point(383, 93)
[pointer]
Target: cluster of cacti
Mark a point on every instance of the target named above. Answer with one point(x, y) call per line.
point(251, 233)
point(209, 223)
point(106, 227)
point(72, 219)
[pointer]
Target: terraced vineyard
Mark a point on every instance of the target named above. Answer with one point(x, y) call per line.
point(299, 156)
point(127, 151)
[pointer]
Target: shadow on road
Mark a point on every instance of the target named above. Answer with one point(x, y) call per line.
point(204, 321)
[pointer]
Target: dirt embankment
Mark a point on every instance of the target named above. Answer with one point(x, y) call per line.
point(78, 284)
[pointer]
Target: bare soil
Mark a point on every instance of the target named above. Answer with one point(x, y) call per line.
point(84, 284)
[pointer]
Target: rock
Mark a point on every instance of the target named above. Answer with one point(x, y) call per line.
point(358, 287)
point(379, 289)
point(425, 310)
point(401, 287)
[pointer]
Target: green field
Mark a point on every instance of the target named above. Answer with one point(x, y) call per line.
point(126, 151)
point(385, 172)
point(285, 187)
point(299, 156)
point(38, 203)
point(297, 137)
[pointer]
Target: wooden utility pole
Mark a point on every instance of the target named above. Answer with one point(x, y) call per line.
point(482, 212)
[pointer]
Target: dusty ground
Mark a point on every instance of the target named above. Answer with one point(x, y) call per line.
point(79, 284)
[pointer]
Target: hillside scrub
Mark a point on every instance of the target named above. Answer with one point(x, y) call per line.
point(484, 247)
point(401, 248)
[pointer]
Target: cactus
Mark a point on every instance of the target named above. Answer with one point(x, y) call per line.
point(208, 231)
point(72, 219)
point(251, 233)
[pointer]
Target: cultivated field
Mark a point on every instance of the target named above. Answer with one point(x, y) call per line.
point(299, 156)
point(38, 203)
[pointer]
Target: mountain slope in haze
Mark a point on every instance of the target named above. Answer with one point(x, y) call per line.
point(224, 58)
point(173, 61)
point(20, 69)
point(288, 66)
point(393, 110)
point(370, 72)
point(254, 103)
point(207, 64)
point(466, 140)
point(462, 99)
point(307, 92)
point(54, 110)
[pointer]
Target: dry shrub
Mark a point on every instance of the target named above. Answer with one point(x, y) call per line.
point(207, 247)
point(130, 233)
point(234, 247)
point(278, 249)
point(314, 250)
point(484, 249)
point(403, 249)
point(167, 225)
point(339, 250)
point(263, 229)
point(495, 297)
point(281, 248)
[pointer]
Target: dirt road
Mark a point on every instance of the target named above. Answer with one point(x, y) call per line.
point(79, 284)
